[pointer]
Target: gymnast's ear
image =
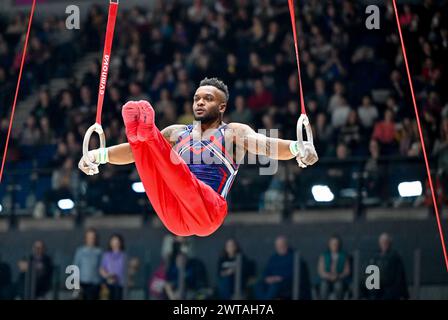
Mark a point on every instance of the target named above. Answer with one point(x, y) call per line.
point(222, 107)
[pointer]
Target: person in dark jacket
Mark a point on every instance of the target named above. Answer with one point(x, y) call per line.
point(35, 277)
point(393, 284)
point(277, 279)
point(227, 268)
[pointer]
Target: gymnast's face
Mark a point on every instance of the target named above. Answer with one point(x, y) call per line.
point(209, 104)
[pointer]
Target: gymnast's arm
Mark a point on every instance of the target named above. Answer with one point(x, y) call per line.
point(274, 148)
point(122, 154)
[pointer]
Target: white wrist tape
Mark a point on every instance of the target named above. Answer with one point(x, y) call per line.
point(102, 156)
point(294, 148)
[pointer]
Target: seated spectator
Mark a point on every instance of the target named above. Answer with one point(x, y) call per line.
point(340, 113)
point(187, 117)
point(30, 134)
point(334, 270)
point(44, 104)
point(261, 98)
point(393, 284)
point(87, 259)
point(277, 278)
point(227, 270)
point(337, 98)
point(113, 267)
point(385, 133)
point(241, 114)
point(367, 113)
point(350, 133)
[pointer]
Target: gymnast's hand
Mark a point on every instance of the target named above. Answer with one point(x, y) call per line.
point(91, 168)
point(308, 156)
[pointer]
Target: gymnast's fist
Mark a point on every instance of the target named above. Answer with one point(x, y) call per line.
point(308, 156)
point(89, 163)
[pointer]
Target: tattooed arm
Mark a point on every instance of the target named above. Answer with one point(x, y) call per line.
point(273, 148)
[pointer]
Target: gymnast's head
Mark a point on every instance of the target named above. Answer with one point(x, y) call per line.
point(210, 100)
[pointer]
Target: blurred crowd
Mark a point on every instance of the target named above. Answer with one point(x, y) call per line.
point(356, 91)
point(112, 274)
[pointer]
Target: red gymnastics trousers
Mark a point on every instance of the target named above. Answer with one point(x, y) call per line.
point(185, 205)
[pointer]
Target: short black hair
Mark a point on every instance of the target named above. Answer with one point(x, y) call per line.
point(218, 84)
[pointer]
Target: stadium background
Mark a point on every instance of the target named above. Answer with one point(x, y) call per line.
point(352, 77)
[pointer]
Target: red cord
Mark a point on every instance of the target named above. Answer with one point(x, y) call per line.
point(5, 151)
point(294, 31)
point(422, 141)
point(113, 7)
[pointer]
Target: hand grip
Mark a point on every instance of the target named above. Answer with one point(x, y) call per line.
point(85, 145)
point(304, 121)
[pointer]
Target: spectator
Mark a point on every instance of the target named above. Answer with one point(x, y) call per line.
point(30, 134)
point(393, 284)
point(337, 99)
point(340, 113)
point(276, 280)
point(241, 113)
point(38, 268)
point(227, 270)
point(88, 258)
point(385, 133)
point(367, 113)
point(334, 270)
point(113, 267)
point(260, 99)
point(187, 117)
point(350, 134)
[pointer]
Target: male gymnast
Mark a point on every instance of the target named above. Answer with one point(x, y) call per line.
point(187, 171)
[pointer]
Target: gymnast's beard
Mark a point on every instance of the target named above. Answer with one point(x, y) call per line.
point(208, 117)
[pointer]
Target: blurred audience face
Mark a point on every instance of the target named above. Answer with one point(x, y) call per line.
point(321, 120)
point(366, 102)
point(334, 244)
point(239, 103)
point(38, 248)
point(388, 116)
point(341, 152)
point(91, 238)
point(258, 87)
point(338, 88)
point(352, 118)
point(231, 247)
point(281, 245)
point(115, 244)
point(385, 242)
